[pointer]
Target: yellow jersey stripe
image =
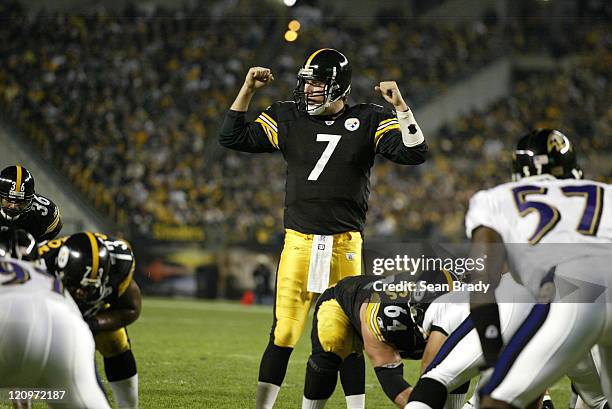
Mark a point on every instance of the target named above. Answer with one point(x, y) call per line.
point(313, 55)
point(94, 255)
point(18, 179)
point(54, 224)
point(379, 134)
point(384, 121)
point(272, 121)
point(125, 283)
point(271, 133)
point(387, 124)
point(371, 312)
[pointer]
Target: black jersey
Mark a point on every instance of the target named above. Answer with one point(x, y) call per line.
point(121, 271)
point(42, 220)
point(328, 160)
point(387, 320)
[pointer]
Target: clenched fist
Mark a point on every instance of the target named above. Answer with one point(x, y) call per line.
point(392, 94)
point(258, 77)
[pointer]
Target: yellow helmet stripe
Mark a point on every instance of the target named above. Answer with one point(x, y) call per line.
point(309, 60)
point(448, 277)
point(94, 255)
point(18, 181)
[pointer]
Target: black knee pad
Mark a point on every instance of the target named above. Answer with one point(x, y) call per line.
point(120, 367)
point(430, 392)
point(321, 375)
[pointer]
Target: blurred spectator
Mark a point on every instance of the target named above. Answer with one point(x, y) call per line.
point(124, 103)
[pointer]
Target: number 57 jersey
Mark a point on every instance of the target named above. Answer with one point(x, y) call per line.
point(328, 159)
point(546, 222)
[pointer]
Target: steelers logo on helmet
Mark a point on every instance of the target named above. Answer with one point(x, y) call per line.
point(324, 78)
point(86, 268)
point(16, 191)
point(62, 257)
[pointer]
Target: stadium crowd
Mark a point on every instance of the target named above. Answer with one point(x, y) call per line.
point(128, 105)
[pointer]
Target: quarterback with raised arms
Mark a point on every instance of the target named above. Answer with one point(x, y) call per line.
point(329, 147)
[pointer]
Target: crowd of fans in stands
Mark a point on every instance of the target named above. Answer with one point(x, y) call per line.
point(128, 106)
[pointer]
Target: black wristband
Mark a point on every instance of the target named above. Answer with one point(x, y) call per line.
point(392, 380)
point(486, 322)
point(94, 325)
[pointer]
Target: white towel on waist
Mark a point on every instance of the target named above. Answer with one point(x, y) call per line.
point(320, 263)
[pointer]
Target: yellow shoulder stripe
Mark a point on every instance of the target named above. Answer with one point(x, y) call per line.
point(54, 224)
point(272, 121)
point(379, 134)
point(125, 283)
point(270, 132)
point(384, 121)
point(371, 313)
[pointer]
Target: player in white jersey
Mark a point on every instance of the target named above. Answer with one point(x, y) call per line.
point(44, 342)
point(512, 222)
point(553, 228)
point(453, 354)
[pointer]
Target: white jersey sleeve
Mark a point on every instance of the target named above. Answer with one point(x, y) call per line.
point(483, 211)
point(24, 277)
point(446, 313)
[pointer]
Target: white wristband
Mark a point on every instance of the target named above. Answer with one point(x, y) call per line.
point(411, 132)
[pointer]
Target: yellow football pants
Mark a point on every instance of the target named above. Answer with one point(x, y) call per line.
point(334, 330)
point(112, 343)
point(292, 297)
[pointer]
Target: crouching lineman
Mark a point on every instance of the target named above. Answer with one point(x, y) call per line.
point(97, 270)
point(44, 342)
point(22, 208)
point(353, 316)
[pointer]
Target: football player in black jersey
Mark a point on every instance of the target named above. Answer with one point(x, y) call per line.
point(22, 208)
point(329, 147)
point(98, 272)
point(358, 314)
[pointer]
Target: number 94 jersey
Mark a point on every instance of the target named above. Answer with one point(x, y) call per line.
point(42, 220)
point(328, 159)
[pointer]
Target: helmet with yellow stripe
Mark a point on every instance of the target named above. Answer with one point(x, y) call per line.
point(16, 191)
point(330, 70)
point(83, 264)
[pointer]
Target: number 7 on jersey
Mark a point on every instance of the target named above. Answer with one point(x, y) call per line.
point(332, 142)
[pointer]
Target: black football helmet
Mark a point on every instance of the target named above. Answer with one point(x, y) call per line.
point(83, 264)
point(16, 191)
point(18, 244)
point(330, 67)
point(545, 151)
point(419, 301)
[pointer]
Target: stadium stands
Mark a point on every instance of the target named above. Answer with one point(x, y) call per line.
point(128, 105)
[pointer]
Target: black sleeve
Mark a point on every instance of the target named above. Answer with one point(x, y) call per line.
point(392, 148)
point(54, 224)
point(240, 135)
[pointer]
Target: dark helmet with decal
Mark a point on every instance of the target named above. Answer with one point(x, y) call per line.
point(328, 67)
point(83, 263)
point(545, 151)
point(16, 191)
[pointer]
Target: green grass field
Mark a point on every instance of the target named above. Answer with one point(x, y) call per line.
point(201, 355)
